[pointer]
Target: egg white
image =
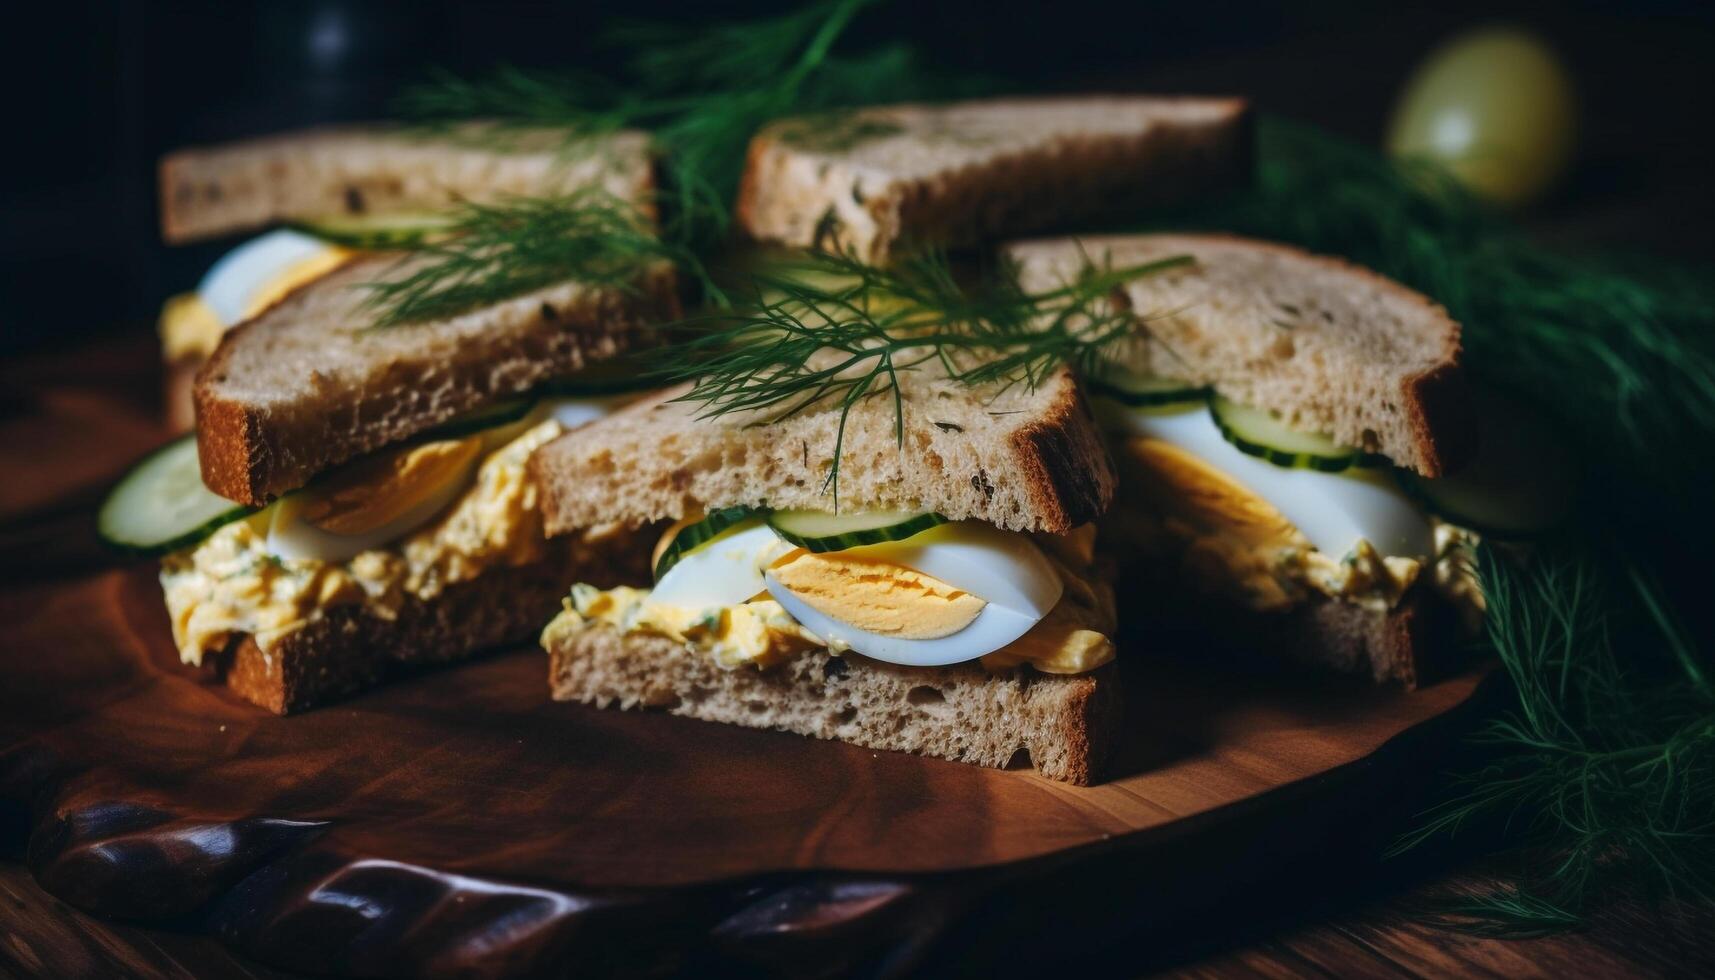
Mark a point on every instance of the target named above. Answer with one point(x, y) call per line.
point(1004, 569)
point(723, 572)
point(233, 283)
point(1333, 510)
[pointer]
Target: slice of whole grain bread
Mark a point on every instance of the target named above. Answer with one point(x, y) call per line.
point(311, 382)
point(1066, 723)
point(1021, 459)
point(350, 170)
point(872, 180)
point(1330, 346)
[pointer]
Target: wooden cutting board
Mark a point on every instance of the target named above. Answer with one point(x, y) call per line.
point(460, 821)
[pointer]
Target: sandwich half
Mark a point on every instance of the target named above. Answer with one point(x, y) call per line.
point(338, 190)
point(877, 181)
point(952, 605)
point(1275, 422)
point(354, 500)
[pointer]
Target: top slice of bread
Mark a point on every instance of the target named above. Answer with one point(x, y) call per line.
point(874, 180)
point(1331, 347)
point(1025, 460)
point(318, 173)
point(311, 382)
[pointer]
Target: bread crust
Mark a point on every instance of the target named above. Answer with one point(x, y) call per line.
point(1067, 724)
point(350, 648)
point(252, 452)
point(1069, 470)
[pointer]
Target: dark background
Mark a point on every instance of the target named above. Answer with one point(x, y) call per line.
point(98, 91)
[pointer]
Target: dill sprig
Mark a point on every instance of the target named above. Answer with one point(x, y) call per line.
point(830, 330)
point(1607, 761)
point(1604, 768)
point(494, 252)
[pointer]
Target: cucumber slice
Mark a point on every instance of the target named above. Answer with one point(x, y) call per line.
point(1261, 433)
point(162, 505)
point(1145, 391)
point(694, 536)
point(1523, 481)
point(481, 419)
point(400, 230)
point(820, 532)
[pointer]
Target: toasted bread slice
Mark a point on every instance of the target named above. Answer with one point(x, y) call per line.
point(1329, 346)
point(311, 383)
point(962, 713)
point(350, 648)
point(317, 173)
point(1024, 460)
point(873, 180)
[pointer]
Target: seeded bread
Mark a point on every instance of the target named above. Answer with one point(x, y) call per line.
point(962, 712)
point(1019, 459)
point(873, 180)
point(318, 173)
point(351, 648)
point(1330, 346)
point(311, 383)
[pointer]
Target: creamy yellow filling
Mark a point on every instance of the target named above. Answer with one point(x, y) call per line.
point(230, 585)
point(1230, 541)
point(1073, 638)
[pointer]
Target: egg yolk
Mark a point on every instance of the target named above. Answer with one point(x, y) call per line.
point(381, 489)
point(1210, 498)
point(878, 597)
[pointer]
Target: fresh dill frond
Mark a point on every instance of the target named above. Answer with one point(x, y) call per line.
point(831, 330)
point(1607, 761)
point(494, 252)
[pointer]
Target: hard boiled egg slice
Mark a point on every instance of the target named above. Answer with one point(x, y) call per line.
point(1005, 571)
point(724, 571)
point(1333, 510)
point(372, 502)
point(575, 412)
point(254, 275)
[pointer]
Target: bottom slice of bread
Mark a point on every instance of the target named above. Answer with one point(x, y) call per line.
point(350, 649)
point(1067, 724)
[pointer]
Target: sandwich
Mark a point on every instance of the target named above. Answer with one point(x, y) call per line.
point(948, 600)
point(1281, 422)
point(877, 181)
point(337, 191)
point(353, 499)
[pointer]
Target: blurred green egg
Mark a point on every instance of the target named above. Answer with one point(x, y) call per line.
point(1495, 107)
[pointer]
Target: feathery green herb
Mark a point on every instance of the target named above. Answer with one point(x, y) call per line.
point(832, 330)
point(1605, 765)
point(498, 251)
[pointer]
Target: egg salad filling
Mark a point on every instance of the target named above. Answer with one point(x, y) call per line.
point(404, 523)
point(953, 593)
point(1278, 536)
